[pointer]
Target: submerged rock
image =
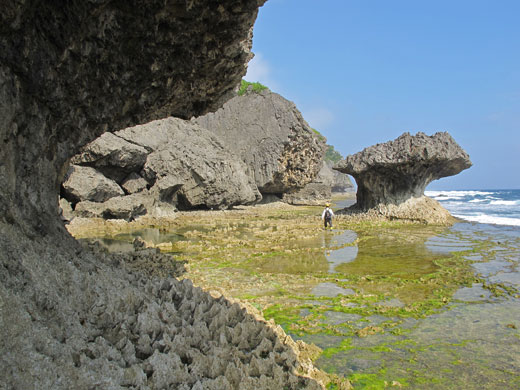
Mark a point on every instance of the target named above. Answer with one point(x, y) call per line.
point(393, 172)
point(269, 134)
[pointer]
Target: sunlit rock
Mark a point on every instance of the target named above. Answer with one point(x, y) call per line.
point(393, 172)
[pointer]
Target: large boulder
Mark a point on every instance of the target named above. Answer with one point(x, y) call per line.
point(393, 172)
point(181, 163)
point(318, 192)
point(85, 183)
point(115, 157)
point(272, 138)
point(189, 166)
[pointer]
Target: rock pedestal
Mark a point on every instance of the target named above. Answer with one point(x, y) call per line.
point(393, 172)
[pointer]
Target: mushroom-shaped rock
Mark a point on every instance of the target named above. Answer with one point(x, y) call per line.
point(395, 171)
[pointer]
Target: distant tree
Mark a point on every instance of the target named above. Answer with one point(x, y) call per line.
point(257, 87)
point(331, 154)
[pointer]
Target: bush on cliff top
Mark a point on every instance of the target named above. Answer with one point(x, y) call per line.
point(257, 87)
point(331, 154)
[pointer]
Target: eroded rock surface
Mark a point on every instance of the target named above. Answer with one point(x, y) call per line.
point(272, 138)
point(74, 318)
point(393, 172)
point(317, 192)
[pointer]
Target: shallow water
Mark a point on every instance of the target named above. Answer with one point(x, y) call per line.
point(423, 307)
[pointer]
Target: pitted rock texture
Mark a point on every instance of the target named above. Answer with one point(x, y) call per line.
point(318, 192)
point(272, 138)
point(396, 171)
point(89, 320)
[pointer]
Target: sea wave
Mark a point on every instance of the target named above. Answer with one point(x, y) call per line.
point(485, 218)
point(455, 194)
point(504, 202)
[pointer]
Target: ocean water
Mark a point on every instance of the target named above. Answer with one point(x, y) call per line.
point(498, 207)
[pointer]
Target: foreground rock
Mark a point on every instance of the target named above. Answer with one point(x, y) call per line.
point(270, 135)
point(74, 318)
point(393, 172)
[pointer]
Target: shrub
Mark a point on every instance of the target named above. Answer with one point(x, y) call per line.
point(257, 87)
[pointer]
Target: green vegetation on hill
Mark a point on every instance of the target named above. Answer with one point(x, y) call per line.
point(331, 154)
point(257, 87)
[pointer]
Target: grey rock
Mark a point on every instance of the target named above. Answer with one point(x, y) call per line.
point(120, 207)
point(66, 211)
point(270, 135)
point(85, 183)
point(190, 167)
point(134, 183)
point(342, 182)
point(393, 172)
point(315, 193)
point(113, 156)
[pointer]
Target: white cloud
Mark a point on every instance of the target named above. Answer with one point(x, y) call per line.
point(258, 69)
point(319, 118)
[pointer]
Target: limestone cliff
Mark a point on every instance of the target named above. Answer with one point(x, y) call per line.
point(72, 317)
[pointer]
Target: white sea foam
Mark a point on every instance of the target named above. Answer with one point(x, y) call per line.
point(484, 218)
point(454, 194)
point(477, 201)
point(504, 202)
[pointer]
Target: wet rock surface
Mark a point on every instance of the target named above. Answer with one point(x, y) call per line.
point(393, 172)
point(270, 135)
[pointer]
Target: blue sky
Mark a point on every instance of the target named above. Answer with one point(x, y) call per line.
point(363, 72)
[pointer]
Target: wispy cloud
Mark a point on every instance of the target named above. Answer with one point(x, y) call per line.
point(319, 118)
point(259, 70)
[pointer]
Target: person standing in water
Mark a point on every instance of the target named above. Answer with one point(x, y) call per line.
point(327, 215)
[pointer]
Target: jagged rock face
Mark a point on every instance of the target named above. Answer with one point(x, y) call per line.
point(315, 193)
point(72, 318)
point(272, 138)
point(393, 172)
point(71, 71)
